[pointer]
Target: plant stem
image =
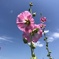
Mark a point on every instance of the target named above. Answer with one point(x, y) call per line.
point(30, 34)
point(47, 46)
point(30, 9)
point(32, 50)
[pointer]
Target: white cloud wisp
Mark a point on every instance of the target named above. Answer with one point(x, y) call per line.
point(5, 38)
point(37, 44)
point(53, 36)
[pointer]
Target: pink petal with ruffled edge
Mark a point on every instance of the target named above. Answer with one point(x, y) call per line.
point(36, 37)
point(21, 21)
point(27, 36)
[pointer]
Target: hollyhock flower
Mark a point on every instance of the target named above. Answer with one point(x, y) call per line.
point(36, 34)
point(25, 21)
point(43, 19)
point(42, 26)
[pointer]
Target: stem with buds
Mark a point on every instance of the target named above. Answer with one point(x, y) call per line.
point(47, 46)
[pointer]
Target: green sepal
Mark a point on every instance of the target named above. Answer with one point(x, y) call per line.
point(25, 41)
point(48, 54)
point(32, 46)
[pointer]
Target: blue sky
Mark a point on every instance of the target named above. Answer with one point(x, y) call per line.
point(12, 46)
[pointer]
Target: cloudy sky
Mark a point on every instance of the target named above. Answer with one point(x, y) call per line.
point(11, 43)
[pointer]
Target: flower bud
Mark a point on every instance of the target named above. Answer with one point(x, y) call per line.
point(49, 51)
point(31, 4)
point(48, 55)
point(25, 41)
point(34, 14)
point(46, 44)
point(44, 39)
point(47, 48)
point(32, 45)
point(43, 19)
point(34, 57)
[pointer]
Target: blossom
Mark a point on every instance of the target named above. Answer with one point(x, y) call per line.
point(42, 26)
point(35, 34)
point(25, 21)
point(43, 19)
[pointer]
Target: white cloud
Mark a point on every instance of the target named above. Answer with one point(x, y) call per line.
point(53, 36)
point(46, 31)
point(50, 39)
point(5, 38)
point(37, 44)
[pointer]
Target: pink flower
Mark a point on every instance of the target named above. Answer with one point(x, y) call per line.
point(43, 19)
point(25, 21)
point(42, 26)
point(37, 33)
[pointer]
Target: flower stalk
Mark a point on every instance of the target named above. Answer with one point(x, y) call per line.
point(31, 31)
point(30, 9)
point(47, 46)
point(32, 45)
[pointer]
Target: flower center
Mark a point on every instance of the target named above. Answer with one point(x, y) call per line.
point(34, 31)
point(27, 22)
